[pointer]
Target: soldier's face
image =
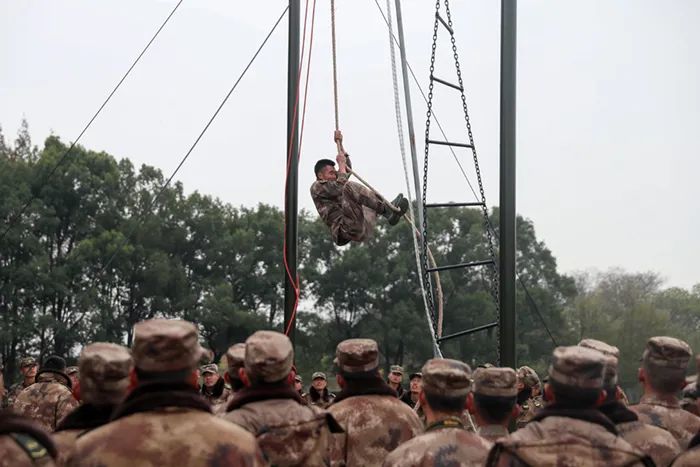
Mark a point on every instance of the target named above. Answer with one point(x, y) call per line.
point(29, 371)
point(297, 386)
point(416, 384)
point(395, 377)
point(319, 384)
point(328, 173)
point(210, 379)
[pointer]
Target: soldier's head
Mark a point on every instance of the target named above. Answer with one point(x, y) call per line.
point(325, 170)
point(268, 360)
point(576, 378)
point(356, 360)
point(104, 373)
point(210, 374)
point(494, 395)
point(166, 350)
point(415, 382)
point(612, 355)
point(298, 383)
point(446, 384)
point(28, 367)
point(395, 374)
point(528, 383)
point(664, 363)
point(74, 374)
point(318, 381)
point(235, 359)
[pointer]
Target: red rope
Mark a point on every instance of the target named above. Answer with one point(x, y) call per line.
point(295, 281)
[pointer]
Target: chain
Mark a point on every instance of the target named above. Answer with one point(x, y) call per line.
point(429, 114)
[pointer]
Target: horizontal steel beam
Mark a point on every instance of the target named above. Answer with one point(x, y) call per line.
point(453, 205)
point(449, 143)
point(461, 265)
point(446, 83)
point(468, 331)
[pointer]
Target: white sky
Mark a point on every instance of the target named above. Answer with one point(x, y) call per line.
point(608, 106)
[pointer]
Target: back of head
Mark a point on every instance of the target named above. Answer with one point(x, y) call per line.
point(665, 361)
point(528, 377)
point(357, 358)
point(446, 384)
point(54, 363)
point(104, 373)
point(268, 357)
point(495, 391)
point(166, 349)
point(612, 356)
point(576, 376)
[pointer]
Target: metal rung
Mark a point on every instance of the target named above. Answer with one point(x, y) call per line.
point(446, 83)
point(452, 205)
point(449, 143)
point(467, 332)
point(461, 265)
point(447, 26)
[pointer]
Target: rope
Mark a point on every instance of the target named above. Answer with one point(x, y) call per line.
point(335, 67)
point(14, 219)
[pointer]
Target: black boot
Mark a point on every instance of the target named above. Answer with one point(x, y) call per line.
point(393, 216)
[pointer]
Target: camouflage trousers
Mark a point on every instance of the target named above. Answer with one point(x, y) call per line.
point(359, 209)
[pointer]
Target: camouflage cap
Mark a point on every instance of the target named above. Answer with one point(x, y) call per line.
point(578, 367)
point(235, 359)
point(210, 368)
point(268, 356)
point(298, 379)
point(528, 377)
point(104, 373)
point(668, 352)
point(396, 369)
point(446, 377)
point(601, 347)
point(318, 375)
point(164, 345)
point(417, 374)
point(72, 370)
point(27, 361)
point(357, 355)
point(497, 382)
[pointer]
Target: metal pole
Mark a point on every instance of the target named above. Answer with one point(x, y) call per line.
point(507, 185)
point(409, 111)
point(292, 189)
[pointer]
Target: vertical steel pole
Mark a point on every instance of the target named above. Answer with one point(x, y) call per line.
point(507, 184)
point(292, 189)
point(409, 112)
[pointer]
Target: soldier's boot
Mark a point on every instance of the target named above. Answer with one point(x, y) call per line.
point(395, 216)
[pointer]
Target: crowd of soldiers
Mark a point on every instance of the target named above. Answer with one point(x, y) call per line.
point(154, 404)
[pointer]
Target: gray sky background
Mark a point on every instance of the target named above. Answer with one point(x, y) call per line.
point(608, 106)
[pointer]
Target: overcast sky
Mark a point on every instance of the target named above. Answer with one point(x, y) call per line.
point(608, 106)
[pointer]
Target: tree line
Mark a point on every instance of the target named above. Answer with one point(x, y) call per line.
point(87, 260)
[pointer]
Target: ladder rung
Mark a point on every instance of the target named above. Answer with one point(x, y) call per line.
point(444, 23)
point(467, 332)
point(450, 143)
point(461, 265)
point(452, 205)
point(446, 83)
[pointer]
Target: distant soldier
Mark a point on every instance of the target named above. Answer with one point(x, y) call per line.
point(49, 399)
point(235, 356)
point(570, 431)
point(214, 387)
point(529, 395)
point(318, 394)
point(299, 386)
point(289, 432)
point(348, 208)
point(656, 442)
point(395, 380)
point(104, 370)
point(374, 420)
point(23, 443)
point(691, 457)
point(493, 401)
point(164, 420)
point(73, 373)
point(28, 367)
point(664, 363)
point(415, 383)
point(445, 441)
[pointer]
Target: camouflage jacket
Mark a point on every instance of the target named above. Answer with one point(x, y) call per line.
point(555, 438)
point(690, 458)
point(288, 431)
point(48, 400)
point(23, 443)
point(328, 197)
point(656, 442)
point(218, 395)
point(492, 432)
point(669, 415)
point(166, 424)
point(13, 392)
point(443, 443)
point(84, 418)
point(322, 401)
point(374, 426)
point(528, 411)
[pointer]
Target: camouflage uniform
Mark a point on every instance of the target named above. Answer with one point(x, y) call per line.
point(374, 420)
point(289, 432)
point(494, 382)
point(164, 421)
point(218, 394)
point(445, 441)
point(669, 357)
point(49, 399)
point(235, 356)
point(657, 443)
point(104, 370)
point(16, 388)
point(569, 436)
point(691, 457)
point(529, 408)
point(348, 208)
point(313, 397)
point(23, 443)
